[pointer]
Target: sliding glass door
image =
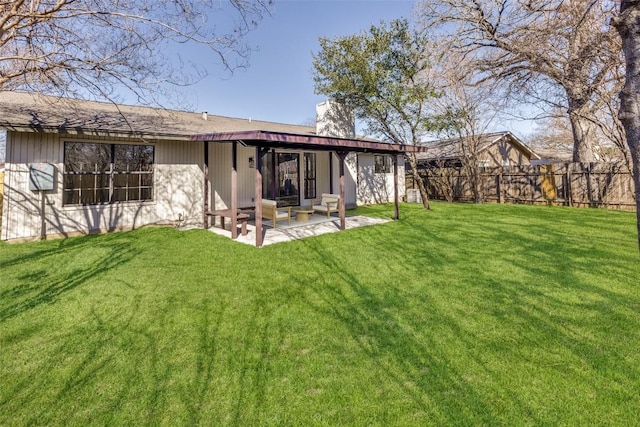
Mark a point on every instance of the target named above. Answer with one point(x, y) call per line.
point(281, 178)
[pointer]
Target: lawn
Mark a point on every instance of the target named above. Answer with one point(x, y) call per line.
point(464, 315)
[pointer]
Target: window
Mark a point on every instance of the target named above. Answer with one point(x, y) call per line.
point(382, 164)
point(309, 175)
point(107, 173)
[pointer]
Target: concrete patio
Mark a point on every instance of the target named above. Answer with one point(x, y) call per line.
point(316, 226)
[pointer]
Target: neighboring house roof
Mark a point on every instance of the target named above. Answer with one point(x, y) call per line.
point(553, 155)
point(27, 112)
point(448, 149)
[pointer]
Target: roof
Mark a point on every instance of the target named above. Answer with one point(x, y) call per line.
point(445, 149)
point(28, 112)
point(554, 155)
point(33, 112)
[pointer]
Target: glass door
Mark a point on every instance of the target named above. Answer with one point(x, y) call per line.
point(288, 179)
point(281, 178)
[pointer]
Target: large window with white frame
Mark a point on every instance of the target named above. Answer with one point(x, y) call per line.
point(96, 173)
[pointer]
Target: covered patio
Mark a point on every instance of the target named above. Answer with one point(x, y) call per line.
point(316, 226)
point(264, 141)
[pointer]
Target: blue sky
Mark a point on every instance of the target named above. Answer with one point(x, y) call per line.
point(277, 86)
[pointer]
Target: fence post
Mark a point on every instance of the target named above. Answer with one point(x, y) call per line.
point(592, 203)
point(568, 188)
point(499, 186)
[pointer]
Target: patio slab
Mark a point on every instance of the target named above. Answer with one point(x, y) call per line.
point(317, 225)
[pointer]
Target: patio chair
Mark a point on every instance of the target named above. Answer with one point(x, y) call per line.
point(270, 210)
point(328, 204)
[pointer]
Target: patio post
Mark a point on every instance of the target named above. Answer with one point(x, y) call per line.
point(258, 195)
point(330, 172)
point(342, 155)
point(205, 217)
point(396, 211)
point(234, 190)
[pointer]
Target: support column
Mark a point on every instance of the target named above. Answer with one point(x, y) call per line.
point(341, 209)
point(234, 190)
point(331, 172)
point(205, 169)
point(396, 210)
point(260, 152)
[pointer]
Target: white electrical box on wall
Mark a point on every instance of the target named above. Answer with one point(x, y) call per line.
point(41, 176)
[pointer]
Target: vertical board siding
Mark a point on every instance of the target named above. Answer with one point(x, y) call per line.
point(220, 173)
point(376, 187)
point(350, 180)
point(178, 190)
point(322, 172)
point(246, 177)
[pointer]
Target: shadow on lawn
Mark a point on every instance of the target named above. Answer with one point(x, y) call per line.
point(382, 326)
point(547, 318)
point(39, 285)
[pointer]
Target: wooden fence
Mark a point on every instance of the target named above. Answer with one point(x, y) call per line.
point(570, 184)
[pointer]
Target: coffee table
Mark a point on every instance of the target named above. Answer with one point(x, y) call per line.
point(302, 215)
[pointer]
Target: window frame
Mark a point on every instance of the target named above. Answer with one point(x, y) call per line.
point(310, 175)
point(384, 166)
point(73, 193)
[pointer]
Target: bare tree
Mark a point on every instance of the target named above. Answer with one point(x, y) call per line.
point(472, 107)
point(551, 52)
point(609, 128)
point(628, 25)
point(552, 132)
point(90, 48)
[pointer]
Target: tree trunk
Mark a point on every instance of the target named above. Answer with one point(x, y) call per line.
point(582, 135)
point(413, 162)
point(628, 25)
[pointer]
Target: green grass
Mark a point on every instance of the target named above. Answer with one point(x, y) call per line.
point(465, 315)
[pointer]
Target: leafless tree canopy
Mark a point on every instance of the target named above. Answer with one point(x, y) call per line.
point(472, 106)
point(552, 52)
point(628, 25)
point(93, 46)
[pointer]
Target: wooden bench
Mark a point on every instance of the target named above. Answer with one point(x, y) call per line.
point(242, 218)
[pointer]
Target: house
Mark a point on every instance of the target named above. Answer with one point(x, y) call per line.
point(494, 149)
point(77, 167)
point(552, 155)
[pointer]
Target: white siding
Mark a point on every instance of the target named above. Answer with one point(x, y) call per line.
point(246, 177)
point(322, 172)
point(220, 175)
point(178, 186)
point(177, 190)
point(179, 182)
point(350, 176)
point(377, 187)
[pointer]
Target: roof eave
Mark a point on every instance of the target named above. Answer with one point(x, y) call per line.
point(109, 133)
point(329, 143)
